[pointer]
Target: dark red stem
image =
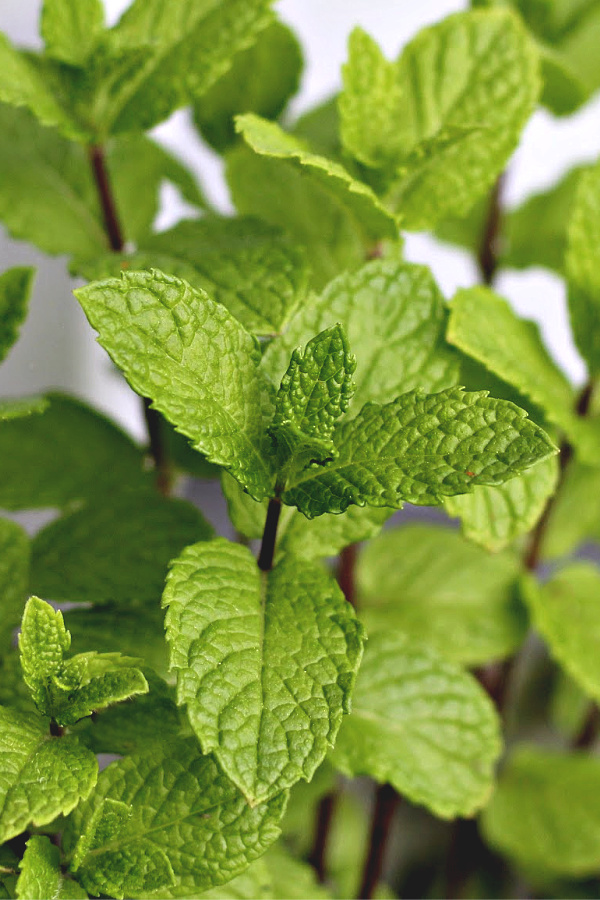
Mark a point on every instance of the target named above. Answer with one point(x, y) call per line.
point(269, 538)
point(386, 801)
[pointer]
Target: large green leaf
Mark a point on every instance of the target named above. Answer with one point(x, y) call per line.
point(15, 288)
point(261, 79)
point(566, 612)
point(464, 89)
point(545, 812)
point(43, 463)
point(71, 30)
point(193, 359)
point(420, 448)
point(496, 516)
point(14, 579)
point(395, 317)
point(164, 820)
point(40, 777)
point(265, 662)
point(114, 550)
point(431, 584)
point(582, 267)
point(41, 875)
point(575, 512)
point(422, 724)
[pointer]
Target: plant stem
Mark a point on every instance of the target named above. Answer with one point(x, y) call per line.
point(487, 252)
point(269, 538)
point(318, 855)
point(346, 577)
point(116, 240)
point(56, 730)
point(386, 801)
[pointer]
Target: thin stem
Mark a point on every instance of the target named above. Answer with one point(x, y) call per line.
point(318, 855)
point(386, 801)
point(269, 538)
point(487, 252)
point(589, 730)
point(158, 451)
point(346, 573)
point(56, 730)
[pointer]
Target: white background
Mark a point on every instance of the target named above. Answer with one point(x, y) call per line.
point(57, 348)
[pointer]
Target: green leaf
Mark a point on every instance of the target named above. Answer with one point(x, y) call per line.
point(261, 79)
point(134, 834)
point(421, 448)
point(43, 464)
point(323, 208)
point(423, 725)
point(563, 91)
point(43, 642)
point(477, 317)
point(565, 612)
point(430, 584)
point(496, 516)
point(114, 550)
point(186, 49)
point(40, 777)
point(395, 318)
point(545, 811)
point(71, 30)
point(582, 266)
point(18, 408)
point(467, 86)
point(41, 876)
point(15, 288)
point(265, 663)
point(14, 579)
point(320, 128)
point(575, 512)
point(193, 359)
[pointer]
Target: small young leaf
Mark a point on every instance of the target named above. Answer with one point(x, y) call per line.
point(15, 288)
point(134, 834)
point(545, 812)
point(437, 588)
point(71, 30)
point(40, 777)
point(14, 579)
point(420, 448)
point(43, 642)
point(41, 876)
point(582, 266)
point(261, 79)
point(265, 663)
point(395, 317)
point(423, 725)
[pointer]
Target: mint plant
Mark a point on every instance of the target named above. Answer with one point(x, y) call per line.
point(244, 688)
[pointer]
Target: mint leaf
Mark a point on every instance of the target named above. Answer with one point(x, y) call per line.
point(496, 516)
point(115, 550)
point(395, 317)
point(465, 89)
point(43, 464)
point(320, 128)
point(15, 288)
point(581, 266)
point(43, 642)
point(71, 30)
point(40, 777)
point(14, 579)
point(423, 725)
point(420, 448)
point(544, 812)
point(265, 663)
point(193, 359)
point(18, 408)
point(41, 876)
point(574, 519)
point(430, 584)
point(134, 834)
point(565, 612)
point(261, 79)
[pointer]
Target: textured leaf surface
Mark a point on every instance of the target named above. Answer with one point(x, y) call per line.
point(394, 316)
point(437, 588)
point(40, 777)
point(545, 811)
point(265, 663)
point(582, 266)
point(43, 642)
point(261, 79)
point(566, 612)
point(14, 579)
point(15, 287)
point(115, 550)
point(193, 359)
point(468, 86)
point(41, 876)
point(43, 464)
point(71, 30)
point(165, 819)
point(421, 448)
point(423, 725)
point(496, 516)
